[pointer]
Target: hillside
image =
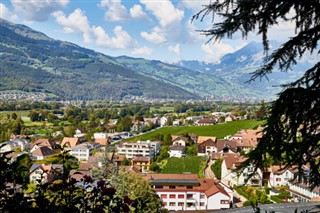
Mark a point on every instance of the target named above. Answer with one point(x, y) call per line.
point(33, 62)
point(203, 84)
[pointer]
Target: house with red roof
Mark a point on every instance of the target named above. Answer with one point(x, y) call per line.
point(187, 192)
point(231, 174)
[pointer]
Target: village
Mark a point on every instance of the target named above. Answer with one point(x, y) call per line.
point(223, 181)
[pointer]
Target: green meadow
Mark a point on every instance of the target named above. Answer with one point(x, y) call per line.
point(218, 130)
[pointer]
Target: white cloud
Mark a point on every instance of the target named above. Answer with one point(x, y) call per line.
point(5, 13)
point(195, 5)
point(154, 37)
point(35, 10)
point(215, 51)
point(121, 39)
point(137, 12)
point(164, 11)
point(115, 10)
point(194, 35)
point(169, 18)
point(175, 49)
point(77, 21)
point(142, 51)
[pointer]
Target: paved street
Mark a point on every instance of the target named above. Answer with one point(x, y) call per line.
point(278, 208)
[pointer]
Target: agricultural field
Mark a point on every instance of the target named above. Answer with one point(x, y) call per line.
point(192, 164)
point(218, 130)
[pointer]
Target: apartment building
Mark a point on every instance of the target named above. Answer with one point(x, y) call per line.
point(84, 150)
point(140, 148)
point(188, 192)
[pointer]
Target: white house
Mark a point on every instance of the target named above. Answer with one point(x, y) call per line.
point(300, 187)
point(177, 151)
point(141, 148)
point(84, 150)
point(179, 140)
point(228, 119)
point(44, 173)
point(42, 153)
point(230, 174)
point(207, 147)
point(188, 192)
point(103, 135)
point(21, 143)
point(279, 177)
point(164, 120)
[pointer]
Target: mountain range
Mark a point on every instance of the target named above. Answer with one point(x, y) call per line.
point(32, 62)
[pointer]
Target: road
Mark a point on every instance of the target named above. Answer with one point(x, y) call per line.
point(278, 208)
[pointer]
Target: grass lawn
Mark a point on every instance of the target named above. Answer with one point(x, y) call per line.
point(218, 130)
point(193, 164)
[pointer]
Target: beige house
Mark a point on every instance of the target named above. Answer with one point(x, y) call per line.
point(44, 173)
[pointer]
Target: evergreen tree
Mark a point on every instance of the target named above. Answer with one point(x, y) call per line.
point(292, 134)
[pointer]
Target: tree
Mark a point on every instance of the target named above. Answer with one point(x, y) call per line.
point(291, 136)
point(262, 111)
point(136, 188)
point(216, 168)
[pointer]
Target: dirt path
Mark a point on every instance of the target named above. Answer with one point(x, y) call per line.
point(208, 172)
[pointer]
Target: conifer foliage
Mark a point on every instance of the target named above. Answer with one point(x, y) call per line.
point(292, 135)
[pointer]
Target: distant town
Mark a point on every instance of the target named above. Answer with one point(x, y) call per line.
point(192, 157)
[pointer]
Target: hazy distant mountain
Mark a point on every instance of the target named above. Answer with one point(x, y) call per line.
point(238, 67)
point(33, 62)
point(195, 82)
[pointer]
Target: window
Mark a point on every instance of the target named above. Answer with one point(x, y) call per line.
point(278, 179)
point(158, 187)
point(201, 203)
point(172, 196)
point(189, 196)
point(224, 201)
point(163, 196)
point(202, 196)
point(180, 196)
point(172, 187)
point(190, 204)
point(172, 204)
point(180, 204)
point(189, 187)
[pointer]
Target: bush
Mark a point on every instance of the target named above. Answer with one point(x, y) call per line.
point(216, 168)
point(276, 199)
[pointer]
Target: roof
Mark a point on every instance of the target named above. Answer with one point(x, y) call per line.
point(141, 159)
point(249, 137)
point(276, 169)
point(84, 166)
point(206, 121)
point(44, 142)
point(177, 147)
point(208, 186)
point(221, 144)
point(202, 146)
point(101, 141)
point(204, 138)
point(46, 167)
point(230, 160)
point(178, 137)
point(43, 151)
point(69, 142)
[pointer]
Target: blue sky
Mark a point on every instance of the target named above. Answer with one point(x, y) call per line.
point(152, 29)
